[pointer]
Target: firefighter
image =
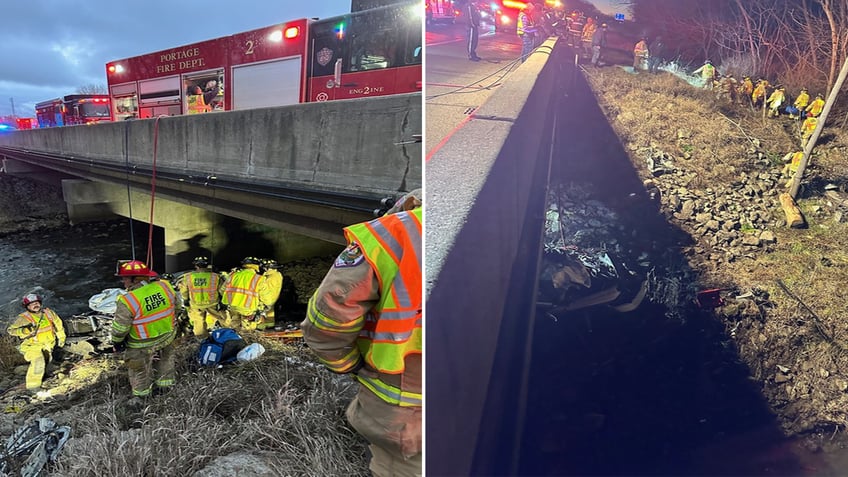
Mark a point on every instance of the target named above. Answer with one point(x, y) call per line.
point(777, 97)
point(807, 128)
point(815, 108)
point(144, 328)
point(759, 91)
point(195, 103)
point(586, 37)
point(640, 54)
point(245, 295)
point(599, 42)
point(526, 30)
point(575, 28)
point(472, 25)
point(41, 330)
point(365, 319)
point(793, 160)
point(727, 87)
point(656, 49)
point(708, 73)
point(270, 270)
point(799, 105)
point(746, 89)
point(199, 291)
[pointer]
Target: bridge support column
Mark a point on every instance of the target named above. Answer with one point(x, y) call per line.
point(189, 232)
point(89, 201)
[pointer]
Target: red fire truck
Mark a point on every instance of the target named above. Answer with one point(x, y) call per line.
point(73, 109)
point(366, 53)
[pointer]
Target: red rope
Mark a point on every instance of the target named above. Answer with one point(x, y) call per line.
point(152, 194)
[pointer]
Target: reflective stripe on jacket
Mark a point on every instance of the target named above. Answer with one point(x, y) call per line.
point(641, 49)
point(152, 307)
point(525, 24)
point(196, 104)
point(802, 100)
point(43, 324)
point(202, 288)
point(392, 329)
point(815, 108)
point(242, 291)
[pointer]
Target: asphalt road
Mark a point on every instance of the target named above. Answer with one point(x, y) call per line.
point(456, 86)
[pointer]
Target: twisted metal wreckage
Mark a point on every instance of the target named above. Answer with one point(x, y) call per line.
point(588, 259)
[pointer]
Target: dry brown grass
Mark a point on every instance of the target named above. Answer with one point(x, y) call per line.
point(283, 410)
point(716, 139)
point(664, 113)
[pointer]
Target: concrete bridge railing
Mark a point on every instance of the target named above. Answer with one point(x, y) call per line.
point(485, 199)
point(358, 146)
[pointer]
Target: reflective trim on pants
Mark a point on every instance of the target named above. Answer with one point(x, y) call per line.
point(394, 433)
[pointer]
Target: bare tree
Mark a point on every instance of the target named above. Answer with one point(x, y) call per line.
point(92, 89)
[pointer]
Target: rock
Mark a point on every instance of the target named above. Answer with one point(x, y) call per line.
point(751, 241)
point(767, 236)
point(782, 378)
point(688, 209)
point(703, 217)
point(823, 373)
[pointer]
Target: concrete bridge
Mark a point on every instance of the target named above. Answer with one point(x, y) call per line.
point(308, 169)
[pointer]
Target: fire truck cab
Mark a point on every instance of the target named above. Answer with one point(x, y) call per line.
point(73, 109)
point(365, 53)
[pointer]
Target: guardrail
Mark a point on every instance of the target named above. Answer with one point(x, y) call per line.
point(485, 200)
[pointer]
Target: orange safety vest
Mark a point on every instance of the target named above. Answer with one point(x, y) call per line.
point(393, 328)
point(196, 104)
point(796, 161)
point(152, 306)
point(42, 332)
point(641, 49)
point(809, 126)
point(815, 108)
point(241, 291)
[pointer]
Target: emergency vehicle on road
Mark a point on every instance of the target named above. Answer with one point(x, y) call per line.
point(73, 109)
point(365, 53)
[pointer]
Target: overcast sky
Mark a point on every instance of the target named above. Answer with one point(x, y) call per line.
point(49, 48)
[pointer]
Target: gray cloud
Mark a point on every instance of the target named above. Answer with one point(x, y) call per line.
point(49, 48)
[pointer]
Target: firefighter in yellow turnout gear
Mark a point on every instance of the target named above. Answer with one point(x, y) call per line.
point(144, 328)
point(41, 330)
point(775, 100)
point(800, 103)
point(807, 129)
point(246, 295)
point(270, 270)
point(815, 108)
point(793, 160)
point(708, 74)
point(199, 291)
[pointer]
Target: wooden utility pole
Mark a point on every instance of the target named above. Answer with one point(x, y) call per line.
point(831, 98)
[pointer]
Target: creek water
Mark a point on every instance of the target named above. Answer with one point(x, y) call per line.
point(66, 265)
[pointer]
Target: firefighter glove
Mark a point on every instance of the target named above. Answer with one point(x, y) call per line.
point(119, 347)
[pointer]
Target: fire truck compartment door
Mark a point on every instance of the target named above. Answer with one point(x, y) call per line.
point(159, 90)
point(272, 83)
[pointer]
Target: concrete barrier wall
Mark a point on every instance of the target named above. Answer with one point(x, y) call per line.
point(485, 208)
point(347, 145)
